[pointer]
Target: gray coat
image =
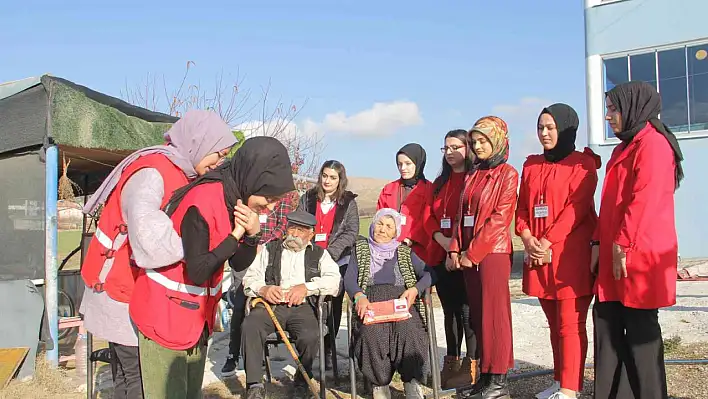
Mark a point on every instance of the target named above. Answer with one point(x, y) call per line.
point(346, 223)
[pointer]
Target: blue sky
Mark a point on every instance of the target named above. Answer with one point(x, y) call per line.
point(431, 66)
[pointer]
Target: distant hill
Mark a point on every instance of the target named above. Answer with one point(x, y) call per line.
point(368, 190)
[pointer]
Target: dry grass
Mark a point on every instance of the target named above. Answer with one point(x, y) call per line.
point(47, 383)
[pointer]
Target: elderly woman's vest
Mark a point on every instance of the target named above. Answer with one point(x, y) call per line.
point(405, 266)
point(313, 254)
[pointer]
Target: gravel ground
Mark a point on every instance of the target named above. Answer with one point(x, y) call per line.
point(684, 325)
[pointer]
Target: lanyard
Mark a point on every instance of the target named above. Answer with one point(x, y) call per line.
point(399, 196)
point(544, 181)
point(446, 198)
point(476, 182)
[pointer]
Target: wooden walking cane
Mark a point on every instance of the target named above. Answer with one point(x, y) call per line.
point(288, 345)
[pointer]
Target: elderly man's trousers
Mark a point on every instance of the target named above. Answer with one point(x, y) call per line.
point(299, 321)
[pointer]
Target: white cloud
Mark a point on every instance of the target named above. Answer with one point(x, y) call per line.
point(276, 128)
point(382, 119)
point(522, 118)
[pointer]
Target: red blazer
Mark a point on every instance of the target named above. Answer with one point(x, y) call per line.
point(493, 216)
point(412, 209)
point(568, 189)
point(445, 203)
point(637, 213)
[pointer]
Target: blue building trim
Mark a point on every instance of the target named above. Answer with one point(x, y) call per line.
point(614, 28)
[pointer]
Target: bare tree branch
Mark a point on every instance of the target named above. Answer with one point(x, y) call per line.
point(235, 106)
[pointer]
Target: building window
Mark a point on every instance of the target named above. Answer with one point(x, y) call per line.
point(643, 67)
point(681, 77)
point(673, 89)
point(698, 87)
point(616, 72)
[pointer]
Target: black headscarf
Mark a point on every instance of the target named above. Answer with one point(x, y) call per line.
point(417, 154)
point(567, 125)
point(639, 103)
point(261, 166)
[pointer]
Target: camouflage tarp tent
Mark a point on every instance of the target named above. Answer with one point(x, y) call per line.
point(92, 132)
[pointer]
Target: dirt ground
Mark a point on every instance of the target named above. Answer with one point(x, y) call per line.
point(685, 381)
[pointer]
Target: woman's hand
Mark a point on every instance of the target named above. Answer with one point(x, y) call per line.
point(452, 262)
point(362, 304)
point(410, 296)
point(594, 258)
point(442, 240)
point(465, 261)
point(244, 216)
point(619, 262)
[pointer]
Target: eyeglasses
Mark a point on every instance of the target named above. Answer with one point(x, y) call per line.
point(451, 148)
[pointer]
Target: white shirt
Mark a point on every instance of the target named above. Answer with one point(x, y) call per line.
point(292, 273)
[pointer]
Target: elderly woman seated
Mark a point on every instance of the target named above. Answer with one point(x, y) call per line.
point(382, 269)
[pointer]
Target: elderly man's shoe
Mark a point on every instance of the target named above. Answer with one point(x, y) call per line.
point(382, 392)
point(256, 391)
point(413, 390)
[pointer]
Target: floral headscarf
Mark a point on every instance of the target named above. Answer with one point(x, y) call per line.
point(497, 132)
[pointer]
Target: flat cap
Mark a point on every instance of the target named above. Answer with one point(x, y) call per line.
point(302, 218)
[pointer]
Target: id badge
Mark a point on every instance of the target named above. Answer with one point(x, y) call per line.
point(403, 220)
point(263, 219)
point(468, 221)
point(321, 237)
point(445, 223)
point(540, 211)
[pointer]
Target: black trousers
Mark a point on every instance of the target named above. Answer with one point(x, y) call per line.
point(238, 312)
point(127, 379)
point(299, 321)
point(629, 353)
point(336, 312)
point(450, 288)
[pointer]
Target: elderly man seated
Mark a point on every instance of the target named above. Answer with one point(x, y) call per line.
point(289, 274)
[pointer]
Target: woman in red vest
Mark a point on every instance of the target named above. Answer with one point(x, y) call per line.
point(133, 228)
point(409, 195)
point(174, 307)
point(481, 246)
point(636, 245)
point(337, 225)
point(440, 217)
point(556, 218)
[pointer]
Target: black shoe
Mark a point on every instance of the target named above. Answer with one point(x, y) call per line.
point(256, 391)
point(328, 359)
point(301, 389)
point(101, 355)
point(230, 366)
point(497, 387)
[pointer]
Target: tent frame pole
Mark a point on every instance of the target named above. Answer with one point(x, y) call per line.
point(50, 249)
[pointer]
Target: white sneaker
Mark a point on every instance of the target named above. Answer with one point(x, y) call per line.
point(546, 394)
point(560, 395)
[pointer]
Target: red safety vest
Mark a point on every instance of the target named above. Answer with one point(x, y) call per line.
point(168, 307)
point(107, 265)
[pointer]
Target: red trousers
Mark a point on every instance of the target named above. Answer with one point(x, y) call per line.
point(569, 338)
point(490, 312)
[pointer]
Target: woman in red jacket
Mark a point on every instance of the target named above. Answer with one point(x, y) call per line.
point(482, 247)
point(409, 196)
point(636, 244)
point(439, 218)
point(556, 218)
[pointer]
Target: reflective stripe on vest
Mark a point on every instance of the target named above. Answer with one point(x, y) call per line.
point(181, 287)
point(112, 246)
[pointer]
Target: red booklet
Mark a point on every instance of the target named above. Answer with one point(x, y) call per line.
point(387, 311)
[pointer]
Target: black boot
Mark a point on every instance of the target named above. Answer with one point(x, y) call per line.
point(327, 354)
point(496, 388)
